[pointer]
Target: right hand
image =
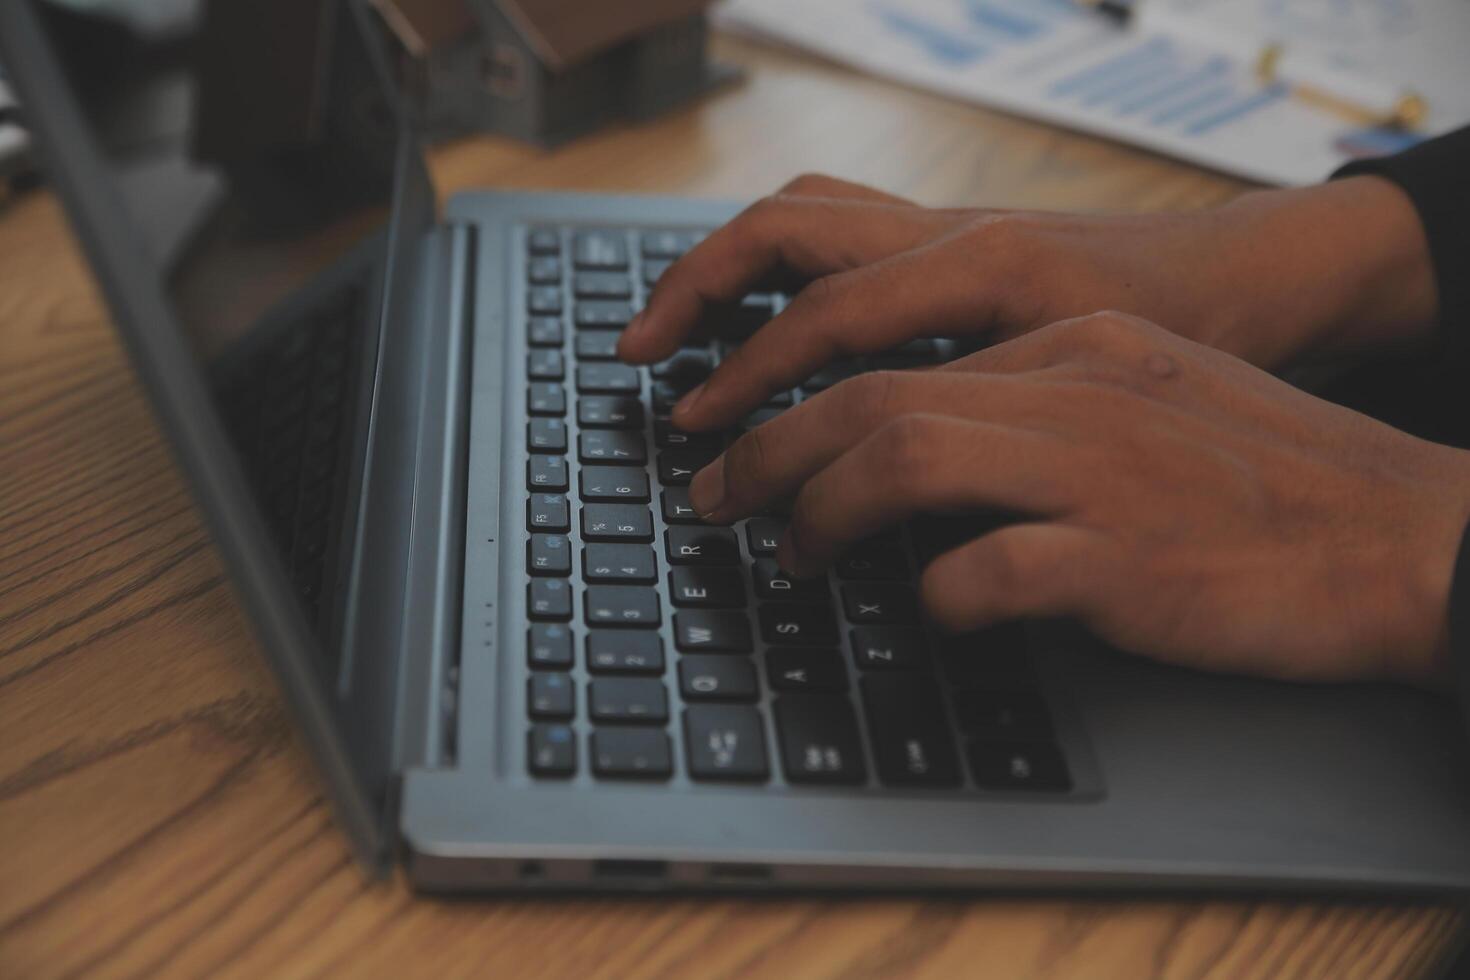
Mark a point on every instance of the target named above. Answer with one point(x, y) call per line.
point(1271, 277)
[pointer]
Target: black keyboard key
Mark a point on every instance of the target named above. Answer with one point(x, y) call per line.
point(677, 508)
point(546, 398)
point(772, 583)
point(701, 546)
point(597, 345)
point(1019, 766)
point(676, 467)
point(600, 250)
point(706, 588)
point(602, 285)
point(609, 484)
point(759, 418)
point(763, 534)
point(910, 738)
point(834, 373)
point(544, 300)
point(616, 522)
point(1016, 716)
point(798, 624)
point(613, 314)
point(543, 241)
point(545, 365)
point(712, 631)
point(548, 512)
point(737, 321)
point(631, 753)
point(664, 395)
point(546, 435)
point(781, 399)
point(549, 599)
point(624, 563)
point(621, 605)
point(716, 678)
point(549, 554)
point(545, 331)
point(685, 369)
point(819, 739)
point(667, 243)
point(609, 412)
point(611, 446)
point(933, 535)
point(552, 750)
point(625, 652)
point(546, 473)
point(874, 602)
point(544, 270)
point(666, 436)
point(641, 700)
point(607, 379)
point(889, 648)
point(549, 646)
point(653, 269)
point(805, 670)
point(876, 563)
point(725, 741)
point(993, 659)
point(551, 697)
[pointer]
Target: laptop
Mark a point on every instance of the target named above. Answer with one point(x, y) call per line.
point(462, 532)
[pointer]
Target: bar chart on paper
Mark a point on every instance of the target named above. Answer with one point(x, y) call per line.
point(1051, 60)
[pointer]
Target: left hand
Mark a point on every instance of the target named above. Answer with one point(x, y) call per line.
point(1179, 502)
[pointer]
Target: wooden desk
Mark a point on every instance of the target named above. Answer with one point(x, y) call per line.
point(156, 816)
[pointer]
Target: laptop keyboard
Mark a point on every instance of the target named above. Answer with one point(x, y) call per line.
point(660, 644)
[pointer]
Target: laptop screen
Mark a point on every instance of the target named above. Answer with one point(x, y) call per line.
point(253, 145)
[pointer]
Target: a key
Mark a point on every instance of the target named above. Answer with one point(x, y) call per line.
point(677, 509)
point(543, 241)
point(664, 395)
point(759, 418)
point(544, 300)
point(609, 412)
point(616, 522)
point(685, 369)
point(889, 647)
point(625, 652)
point(798, 624)
point(631, 753)
point(604, 484)
point(875, 602)
point(935, 534)
point(1019, 766)
point(599, 250)
point(653, 269)
point(911, 742)
point(549, 598)
point(763, 534)
point(545, 365)
point(712, 631)
point(544, 270)
point(548, 512)
point(781, 399)
point(607, 379)
point(1009, 715)
point(819, 739)
point(879, 563)
point(544, 331)
point(665, 436)
point(597, 345)
point(611, 313)
point(666, 244)
point(737, 321)
point(611, 446)
point(551, 696)
point(624, 563)
point(602, 285)
point(701, 546)
point(772, 583)
point(725, 741)
point(549, 646)
point(552, 750)
point(546, 473)
point(546, 398)
point(621, 605)
point(628, 699)
point(676, 467)
point(546, 435)
point(800, 669)
point(549, 554)
point(994, 659)
point(698, 587)
point(716, 678)
point(834, 373)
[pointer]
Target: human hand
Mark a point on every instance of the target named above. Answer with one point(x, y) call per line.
point(1271, 277)
point(1179, 502)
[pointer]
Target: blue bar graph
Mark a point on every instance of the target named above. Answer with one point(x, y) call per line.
point(1244, 107)
point(941, 43)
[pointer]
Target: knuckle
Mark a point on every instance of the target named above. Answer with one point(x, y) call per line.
point(810, 182)
point(907, 446)
point(871, 397)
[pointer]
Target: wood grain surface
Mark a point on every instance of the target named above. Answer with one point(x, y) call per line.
point(157, 818)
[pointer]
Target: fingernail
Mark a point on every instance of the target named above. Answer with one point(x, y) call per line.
point(686, 404)
point(707, 489)
point(634, 325)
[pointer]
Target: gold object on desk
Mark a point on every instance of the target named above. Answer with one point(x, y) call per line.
point(1407, 110)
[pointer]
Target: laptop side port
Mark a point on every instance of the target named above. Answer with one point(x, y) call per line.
point(748, 875)
point(613, 869)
